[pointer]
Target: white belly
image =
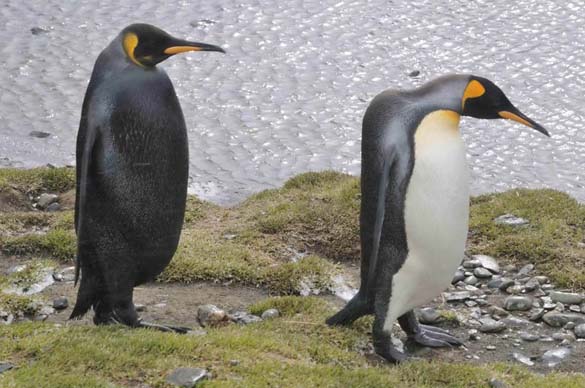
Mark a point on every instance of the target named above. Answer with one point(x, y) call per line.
point(436, 215)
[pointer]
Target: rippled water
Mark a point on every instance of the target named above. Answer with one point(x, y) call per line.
point(290, 94)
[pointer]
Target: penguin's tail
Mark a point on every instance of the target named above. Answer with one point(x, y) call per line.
point(87, 296)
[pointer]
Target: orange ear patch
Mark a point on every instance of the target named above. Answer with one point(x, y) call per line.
point(474, 89)
point(130, 43)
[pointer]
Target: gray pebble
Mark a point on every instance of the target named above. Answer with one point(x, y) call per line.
point(209, 315)
point(46, 199)
point(495, 383)
point(497, 312)
point(575, 308)
point(482, 273)
point(38, 31)
point(244, 318)
point(490, 347)
point(505, 283)
point(564, 336)
point(270, 313)
point(580, 330)
point(529, 337)
point(488, 263)
point(515, 290)
point(569, 326)
point(414, 73)
point(523, 359)
point(39, 134)
point(60, 303)
point(473, 335)
point(459, 276)
point(541, 279)
point(456, 296)
point(511, 220)
point(54, 207)
point(518, 303)
point(472, 280)
point(582, 307)
point(532, 285)
point(140, 307)
point(557, 319)
point(470, 264)
point(554, 357)
point(525, 270)
point(489, 325)
point(512, 321)
point(5, 366)
point(566, 297)
point(536, 314)
point(186, 377)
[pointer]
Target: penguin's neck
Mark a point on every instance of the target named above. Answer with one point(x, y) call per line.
point(437, 127)
point(444, 93)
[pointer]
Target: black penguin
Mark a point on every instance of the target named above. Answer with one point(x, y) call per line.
point(132, 171)
point(415, 202)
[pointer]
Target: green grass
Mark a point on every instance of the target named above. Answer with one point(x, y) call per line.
point(295, 350)
point(313, 214)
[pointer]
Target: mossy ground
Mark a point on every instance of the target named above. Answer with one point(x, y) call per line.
point(295, 350)
point(280, 240)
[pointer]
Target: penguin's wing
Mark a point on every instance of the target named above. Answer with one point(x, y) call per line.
point(386, 160)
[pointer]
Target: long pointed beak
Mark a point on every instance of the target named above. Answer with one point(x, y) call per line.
point(182, 46)
point(515, 115)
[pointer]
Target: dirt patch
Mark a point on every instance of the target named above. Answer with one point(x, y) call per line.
point(13, 200)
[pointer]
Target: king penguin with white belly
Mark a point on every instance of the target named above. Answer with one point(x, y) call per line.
point(415, 202)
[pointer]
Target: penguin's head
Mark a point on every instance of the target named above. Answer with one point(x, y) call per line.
point(146, 45)
point(482, 99)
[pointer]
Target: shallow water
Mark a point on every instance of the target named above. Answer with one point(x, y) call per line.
point(290, 94)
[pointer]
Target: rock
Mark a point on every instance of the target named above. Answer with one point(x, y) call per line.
point(459, 276)
point(529, 337)
point(186, 377)
point(270, 314)
point(54, 207)
point(57, 277)
point(579, 330)
point(511, 220)
point(557, 319)
point(569, 326)
point(582, 307)
point(497, 312)
point(490, 347)
point(471, 280)
point(489, 325)
point(60, 303)
point(38, 31)
point(473, 335)
point(512, 321)
point(505, 284)
point(547, 303)
point(515, 289)
point(536, 315)
point(234, 362)
point(46, 199)
point(414, 73)
point(547, 287)
point(564, 336)
point(554, 357)
point(532, 285)
point(488, 263)
point(518, 303)
point(574, 308)
point(244, 318)
point(566, 297)
point(457, 296)
point(482, 273)
point(46, 310)
point(523, 359)
point(541, 279)
point(495, 383)
point(39, 134)
point(470, 264)
point(139, 307)
point(525, 270)
point(210, 315)
point(5, 366)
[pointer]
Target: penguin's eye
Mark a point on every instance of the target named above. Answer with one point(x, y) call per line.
point(474, 89)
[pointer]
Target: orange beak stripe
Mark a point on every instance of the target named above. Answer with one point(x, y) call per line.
point(511, 116)
point(180, 49)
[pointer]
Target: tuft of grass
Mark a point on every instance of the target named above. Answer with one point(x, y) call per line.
point(270, 352)
point(18, 304)
point(554, 240)
point(56, 243)
point(36, 180)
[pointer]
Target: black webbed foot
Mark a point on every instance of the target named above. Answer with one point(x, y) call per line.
point(354, 309)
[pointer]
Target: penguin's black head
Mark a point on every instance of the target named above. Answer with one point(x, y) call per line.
point(146, 45)
point(484, 100)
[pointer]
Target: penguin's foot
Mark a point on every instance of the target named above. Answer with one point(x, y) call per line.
point(434, 337)
point(165, 328)
point(390, 353)
point(355, 308)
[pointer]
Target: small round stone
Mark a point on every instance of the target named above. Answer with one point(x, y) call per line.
point(529, 337)
point(579, 330)
point(60, 303)
point(482, 273)
point(518, 303)
point(270, 313)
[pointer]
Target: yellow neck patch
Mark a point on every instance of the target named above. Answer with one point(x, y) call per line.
point(474, 89)
point(130, 43)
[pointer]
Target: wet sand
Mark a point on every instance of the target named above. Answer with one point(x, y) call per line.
point(290, 94)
